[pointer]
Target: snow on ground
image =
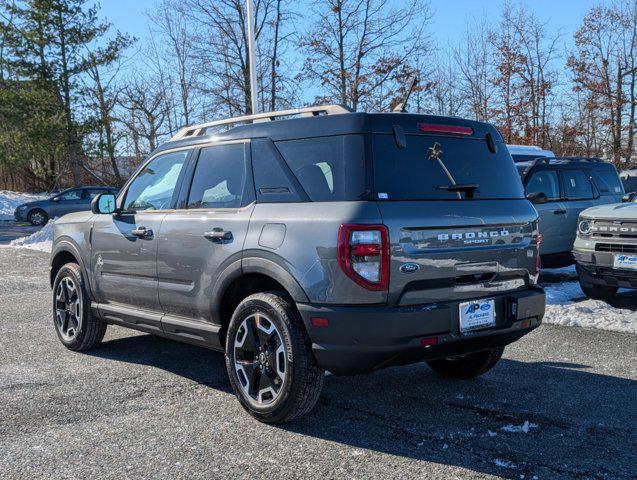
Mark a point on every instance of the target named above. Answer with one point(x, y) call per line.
point(567, 305)
point(10, 200)
point(40, 240)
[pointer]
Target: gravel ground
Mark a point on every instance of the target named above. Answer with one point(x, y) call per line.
point(561, 404)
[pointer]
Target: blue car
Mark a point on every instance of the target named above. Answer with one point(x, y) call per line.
point(73, 200)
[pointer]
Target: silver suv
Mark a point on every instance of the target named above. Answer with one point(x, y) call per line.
point(336, 241)
point(606, 249)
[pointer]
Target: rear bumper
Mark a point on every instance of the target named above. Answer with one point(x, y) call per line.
point(366, 338)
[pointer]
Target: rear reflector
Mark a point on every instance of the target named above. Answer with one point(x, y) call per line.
point(453, 129)
point(428, 341)
point(320, 322)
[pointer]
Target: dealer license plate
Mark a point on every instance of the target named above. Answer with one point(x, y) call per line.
point(477, 314)
point(625, 261)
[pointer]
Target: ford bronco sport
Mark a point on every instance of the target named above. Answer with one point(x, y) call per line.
point(606, 249)
point(560, 188)
point(336, 241)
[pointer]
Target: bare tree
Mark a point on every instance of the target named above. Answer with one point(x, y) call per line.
point(143, 99)
point(473, 62)
point(358, 48)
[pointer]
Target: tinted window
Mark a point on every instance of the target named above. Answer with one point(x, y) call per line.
point(630, 183)
point(71, 195)
point(154, 186)
point(410, 174)
point(92, 193)
point(329, 168)
point(220, 178)
point(577, 184)
point(545, 182)
point(607, 182)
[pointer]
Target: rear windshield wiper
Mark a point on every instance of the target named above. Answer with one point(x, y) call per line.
point(467, 188)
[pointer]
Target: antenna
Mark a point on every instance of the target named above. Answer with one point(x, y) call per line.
point(252, 58)
point(401, 107)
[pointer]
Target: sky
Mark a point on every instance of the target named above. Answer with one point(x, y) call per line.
point(449, 22)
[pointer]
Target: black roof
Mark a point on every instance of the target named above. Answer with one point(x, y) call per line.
point(334, 124)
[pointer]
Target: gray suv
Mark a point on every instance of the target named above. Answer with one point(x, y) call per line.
point(560, 188)
point(72, 200)
point(336, 241)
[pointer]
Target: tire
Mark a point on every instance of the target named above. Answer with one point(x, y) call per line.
point(596, 292)
point(269, 359)
point(468, 366)
point(37, 217)
point(75, 325)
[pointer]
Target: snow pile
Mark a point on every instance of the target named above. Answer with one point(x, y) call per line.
point(567, 305)
point(41, 240)
point(10, 200)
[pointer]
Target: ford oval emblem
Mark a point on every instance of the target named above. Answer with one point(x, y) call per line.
point(409, 267)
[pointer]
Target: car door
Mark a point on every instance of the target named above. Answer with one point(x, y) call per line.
point(124, 244)
point(579, 194)
point(206, 236)
point(552, 212)
point(67, 202)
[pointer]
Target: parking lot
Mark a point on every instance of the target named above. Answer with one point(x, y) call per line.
point(561, 404)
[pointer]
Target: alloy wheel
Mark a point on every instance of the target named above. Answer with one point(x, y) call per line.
point(68, 308)
point(259, 359)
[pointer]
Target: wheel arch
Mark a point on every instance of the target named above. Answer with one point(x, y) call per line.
point(246, 277)
point(66, 252)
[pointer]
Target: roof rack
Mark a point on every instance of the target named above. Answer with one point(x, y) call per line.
point(547, 161)
point(197, 130)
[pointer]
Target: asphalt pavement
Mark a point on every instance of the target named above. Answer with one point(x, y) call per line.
point(562, 403)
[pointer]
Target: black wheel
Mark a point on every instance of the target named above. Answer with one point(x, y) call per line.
point(74, 323)
point(269, 360)
point(596, 292)
point(37, 217)
point(467, 366)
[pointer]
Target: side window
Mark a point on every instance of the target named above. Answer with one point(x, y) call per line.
point(577, 185)
point(544, 181)
point(329, 168)
point(91, 194)
point(71, 196)
point(219, 180)
point(154, 186)
point(608, 182)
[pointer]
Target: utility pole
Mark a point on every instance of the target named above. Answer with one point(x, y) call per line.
point(252, 57)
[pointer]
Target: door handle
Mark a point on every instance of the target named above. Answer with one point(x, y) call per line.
point(559, 212)
point(218, 234)
point(142, 232)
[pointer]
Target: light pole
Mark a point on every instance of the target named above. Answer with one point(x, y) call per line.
point(252, 57)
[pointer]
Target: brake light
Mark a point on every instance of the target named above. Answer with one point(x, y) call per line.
point(363, 255)
point(453, 129)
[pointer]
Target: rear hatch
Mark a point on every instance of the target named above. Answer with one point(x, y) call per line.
point(450, 195)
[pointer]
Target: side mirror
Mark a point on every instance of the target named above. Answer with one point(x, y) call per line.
point(55, 199)
point(628, 197)
point(537, 198)
point(104, 203)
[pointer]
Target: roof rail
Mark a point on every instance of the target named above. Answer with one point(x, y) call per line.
point(547, 161)
point(196, 130)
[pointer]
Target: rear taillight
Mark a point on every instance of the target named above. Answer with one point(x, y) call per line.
point(538, 261)
point(363, 254)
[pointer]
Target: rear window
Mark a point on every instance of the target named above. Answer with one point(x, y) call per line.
point(608, 182)
point(409, 174)
point(526, 158)
point(329, 168)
